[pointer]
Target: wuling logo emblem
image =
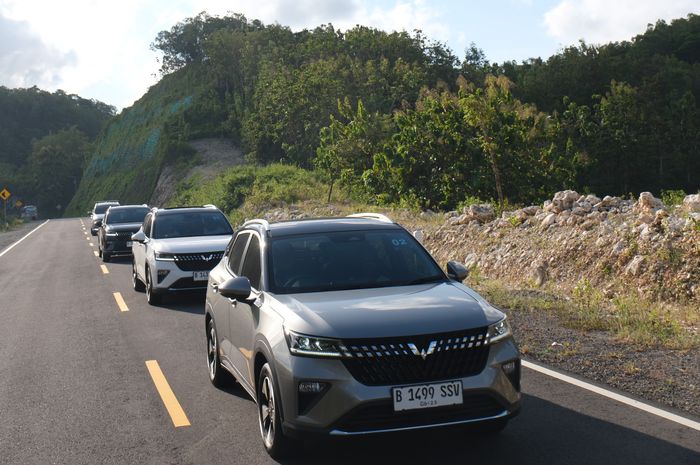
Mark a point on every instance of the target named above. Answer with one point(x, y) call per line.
point(207, 258)
point(423, 353)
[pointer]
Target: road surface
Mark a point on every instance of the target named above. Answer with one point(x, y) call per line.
point(75, 387)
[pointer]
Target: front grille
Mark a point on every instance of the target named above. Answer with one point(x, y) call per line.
point(392, 361)
point(381, 415)
point(204, 261)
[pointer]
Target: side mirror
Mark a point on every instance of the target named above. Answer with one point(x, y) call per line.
point(139, 236)
point(457, 271)
point(235, 288)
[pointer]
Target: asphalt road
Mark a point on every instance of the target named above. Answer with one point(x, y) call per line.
point(75, 389)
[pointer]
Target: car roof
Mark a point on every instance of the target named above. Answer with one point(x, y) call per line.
point(321, 225)
point(127, 207)
point(177, 210)
point(107, 202)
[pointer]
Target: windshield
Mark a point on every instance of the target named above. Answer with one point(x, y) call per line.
point(127, 215)
point(100, 209)
point(188, 224)
point(349, 260)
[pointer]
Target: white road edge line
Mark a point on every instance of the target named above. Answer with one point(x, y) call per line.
point(23, 238)
point(613, 395)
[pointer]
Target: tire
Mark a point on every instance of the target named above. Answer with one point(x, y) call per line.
point(99, 250)
point(106, 256)
point(135, 281)
point(217, 375)
point(277, 445)
point(151, 296)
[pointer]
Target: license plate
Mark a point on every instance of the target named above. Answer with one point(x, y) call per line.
point(200, 275)
point(128, 243)
point(427, 395)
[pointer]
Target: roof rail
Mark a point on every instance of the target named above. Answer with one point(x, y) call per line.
point(263, 223)
point(209, 205)
point(372, 216)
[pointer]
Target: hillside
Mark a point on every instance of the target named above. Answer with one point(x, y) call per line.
point(398, 119)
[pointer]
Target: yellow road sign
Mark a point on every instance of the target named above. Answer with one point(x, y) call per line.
point(5, 194)
point(18, 204)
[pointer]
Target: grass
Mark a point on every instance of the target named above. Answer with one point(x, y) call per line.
point(629, 317)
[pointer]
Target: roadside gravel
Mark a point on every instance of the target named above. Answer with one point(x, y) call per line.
point(665, 376)
point(7, 238)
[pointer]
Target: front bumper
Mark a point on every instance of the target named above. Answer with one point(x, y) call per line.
point(172, 278)
point(349, 408)
point(118, 246)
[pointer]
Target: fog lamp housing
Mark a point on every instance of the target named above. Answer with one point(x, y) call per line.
point(310, 392)
point(162, 274)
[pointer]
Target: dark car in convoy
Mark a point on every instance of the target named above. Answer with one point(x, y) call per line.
point(348, 326)
point(98, 213)
point(118, 224)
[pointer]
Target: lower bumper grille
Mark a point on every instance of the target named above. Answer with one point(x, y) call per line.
point(381, 415)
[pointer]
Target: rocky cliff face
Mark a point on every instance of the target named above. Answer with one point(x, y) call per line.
point(612, 244)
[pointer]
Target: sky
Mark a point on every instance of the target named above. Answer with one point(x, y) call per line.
point(100, 49)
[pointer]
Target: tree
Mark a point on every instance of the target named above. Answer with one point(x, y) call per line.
point(56, 165)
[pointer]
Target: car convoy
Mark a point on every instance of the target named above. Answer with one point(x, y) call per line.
point(334, 326)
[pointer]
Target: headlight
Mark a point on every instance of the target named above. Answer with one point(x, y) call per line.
point(300, 344)
point(165, 257)
point(498, 331)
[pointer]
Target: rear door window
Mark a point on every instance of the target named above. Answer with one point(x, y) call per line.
point(251, 266)
point(236, 256)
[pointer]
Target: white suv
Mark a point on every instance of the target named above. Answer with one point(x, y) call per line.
point(176, 248)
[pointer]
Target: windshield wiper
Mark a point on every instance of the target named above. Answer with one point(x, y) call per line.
point(426, 279)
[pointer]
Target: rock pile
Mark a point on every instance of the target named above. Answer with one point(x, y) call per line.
point(615, 244)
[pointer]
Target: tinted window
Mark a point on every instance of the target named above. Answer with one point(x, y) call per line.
point(251, 265)
point(189, 224)
point(349, 260)
point(147, 225)
point(126, 215)
point(236, 256)
point(101, 208)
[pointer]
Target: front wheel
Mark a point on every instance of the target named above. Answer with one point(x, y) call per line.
point(276, 443)
point(106, 256)
point(135, 281)
point(217, 376)
point(151, 296)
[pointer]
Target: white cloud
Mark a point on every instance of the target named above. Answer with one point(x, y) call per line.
point(100, 48)
point(25, 60)
point(601, 21)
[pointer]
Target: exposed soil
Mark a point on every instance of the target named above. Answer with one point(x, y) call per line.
point(666, 376)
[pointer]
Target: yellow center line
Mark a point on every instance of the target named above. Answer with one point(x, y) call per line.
point(87, 238)
point(120, 302)
point(92, 245)
point(104, 269)
point(96, 254)
point(177, 415)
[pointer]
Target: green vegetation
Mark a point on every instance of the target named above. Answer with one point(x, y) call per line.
point(397, 119)
point(43, 144)
point(248, 191)
point(629, 317)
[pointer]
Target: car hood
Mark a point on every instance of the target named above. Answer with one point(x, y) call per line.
point(123, 227)
point(386, 312)
point(97, 217)
point(191, 244)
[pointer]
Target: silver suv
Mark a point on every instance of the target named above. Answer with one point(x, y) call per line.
point(175, 249)
point(348, 326)
point(98, 213)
